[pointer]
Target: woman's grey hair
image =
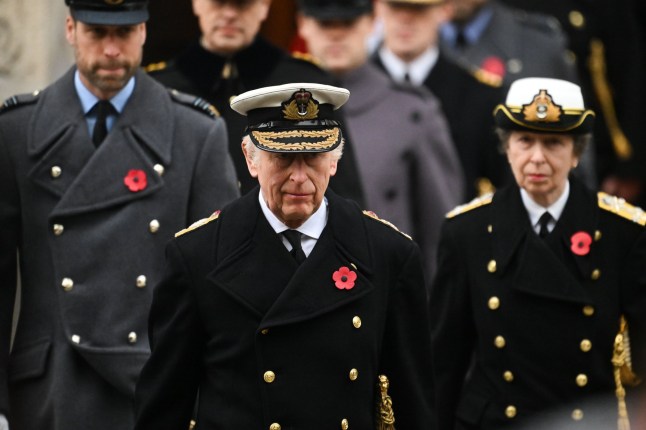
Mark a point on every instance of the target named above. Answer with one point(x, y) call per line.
point(581, 141)
point(253, 151)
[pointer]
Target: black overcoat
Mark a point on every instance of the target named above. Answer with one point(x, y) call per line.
point(233, 306)
point(538, 320)
point(90, 249)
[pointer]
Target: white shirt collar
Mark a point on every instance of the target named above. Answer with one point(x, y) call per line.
point(418, 69)
point(555, 209)
point(311, 228)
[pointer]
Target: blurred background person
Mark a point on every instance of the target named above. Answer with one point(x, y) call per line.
point(407, 162)
point(534, 280)
point(410, 53)
point(229, 58)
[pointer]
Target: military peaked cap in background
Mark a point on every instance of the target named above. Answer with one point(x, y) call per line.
point(109, 12)
point(335, 9)
point(295, 117)
point(544, 105)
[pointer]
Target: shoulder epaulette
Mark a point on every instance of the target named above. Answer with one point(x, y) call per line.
point(199, 223)
point(18, 100)
point(153, 67)
point(475, 203)
point(371, 214)
point(307, 57)
point(539, 21)
point(487, 78)
point(197, 103)
point(622, 208)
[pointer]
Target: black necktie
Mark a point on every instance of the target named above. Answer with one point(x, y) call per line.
point(543, 221)
point(102, 108)
point(460, 39)
point(294, 239)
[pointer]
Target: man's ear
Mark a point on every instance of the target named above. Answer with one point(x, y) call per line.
point(253, 171)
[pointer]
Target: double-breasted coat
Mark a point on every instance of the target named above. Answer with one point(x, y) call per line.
point(218, 79)
point(408, 163)
point(521, 324)
point(273, 345)
point(89, 249)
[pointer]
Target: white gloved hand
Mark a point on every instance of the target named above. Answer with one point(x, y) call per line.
point(4, 425)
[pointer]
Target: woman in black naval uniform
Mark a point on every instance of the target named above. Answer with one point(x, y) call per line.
point(525, 306)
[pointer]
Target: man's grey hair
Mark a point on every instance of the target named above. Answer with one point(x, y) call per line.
point(253, 151)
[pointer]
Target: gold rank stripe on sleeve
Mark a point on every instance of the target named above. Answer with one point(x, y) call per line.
point(475, 203)
point(198, 224)
point(371, 214)
point(622, 208)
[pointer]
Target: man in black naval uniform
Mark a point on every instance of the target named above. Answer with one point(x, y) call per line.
point(533, 280)
point(290, 308)
point(410, 53)
point(231, 58)
point(97, 171)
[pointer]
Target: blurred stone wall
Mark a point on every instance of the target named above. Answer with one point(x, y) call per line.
point(33, 49)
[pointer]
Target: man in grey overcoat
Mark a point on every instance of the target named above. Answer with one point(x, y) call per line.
point(89, 198)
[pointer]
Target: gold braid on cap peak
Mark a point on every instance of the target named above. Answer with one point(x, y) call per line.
point(269, 139)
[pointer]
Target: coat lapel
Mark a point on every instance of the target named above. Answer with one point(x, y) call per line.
point(538, 270)
point(311, 292)
point(94, 179)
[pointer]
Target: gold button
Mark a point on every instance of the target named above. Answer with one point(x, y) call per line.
point(76, 338)
point(586, 345)
point(581, 380)
point(354, 374)
point(508, 376)
point(159, 169)
point(67, 284)
point(269, 376)
point(577, 415)
point(491, 267)
point(132, 337)
point(499, 342)
point(576, 19)
point(490, 228)
point(58, 229)
point(570, 56)
point(588, 311)
point(274, 426)
point(510, 411)
point(154, 226)
point(494, 303)
point(265, 331)
point(597, 236)
point(344, 424)
point(56, 172)
point(596, 273)
point(356, 322)
point(141, 281)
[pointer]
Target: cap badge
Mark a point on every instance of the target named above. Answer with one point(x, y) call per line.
point(542, 109)
point(114, 2)
point(301, 106)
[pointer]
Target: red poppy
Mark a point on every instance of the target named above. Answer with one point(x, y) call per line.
point(135, 180)
point(581, 243)
point(344, 278)
point(494, 65)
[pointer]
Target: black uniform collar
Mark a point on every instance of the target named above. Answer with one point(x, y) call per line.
point(254, 63)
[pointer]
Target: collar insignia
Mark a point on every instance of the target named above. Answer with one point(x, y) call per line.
point(301, 106)
point(542, 109)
